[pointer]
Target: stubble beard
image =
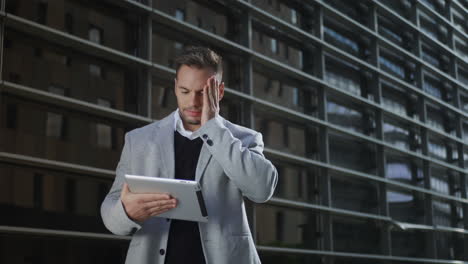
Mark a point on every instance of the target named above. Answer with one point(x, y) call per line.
point(190, 121)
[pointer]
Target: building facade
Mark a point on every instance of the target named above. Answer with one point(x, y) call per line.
point(363, 107)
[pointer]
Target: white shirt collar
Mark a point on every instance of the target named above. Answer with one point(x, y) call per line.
point(179, 127)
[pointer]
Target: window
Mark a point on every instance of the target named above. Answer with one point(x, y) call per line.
point(95, 34)
point(288, 228)
point(352, 154)
point(70, 195)
point(344, 76)
point(398, 100)
point(354, 194)
point(279, 226)
point(392, 66)
point(69, 23)
point(38, 192)
point(390, 34)
point(432, 87)
point(340, 40)
point(95, 70)
point(11, 116)
point(396, 134)
point(178, 46)
point(406, 206)
point(180, 14)
point(403, 169)
point(339, 114)
point(103, 131)
point(274, 45)
point(355, 235)
point(41, 13)
point(55, 123)
point(8, 43)
point(14, 77)
point(293, 16)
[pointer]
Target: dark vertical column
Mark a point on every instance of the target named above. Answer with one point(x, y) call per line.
point(144, 74)
point(247, 70)
point(385, 238)
point(246, 109)
point(428, 208)
point(460, 151)
point(2, 36)
point(2, 40)
point(314, 63)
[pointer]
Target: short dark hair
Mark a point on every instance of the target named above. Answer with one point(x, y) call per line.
point(200, 57)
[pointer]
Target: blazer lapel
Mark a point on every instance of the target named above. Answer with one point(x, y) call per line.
point(164, 139)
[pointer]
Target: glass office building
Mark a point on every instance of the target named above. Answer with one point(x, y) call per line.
point(363, 106)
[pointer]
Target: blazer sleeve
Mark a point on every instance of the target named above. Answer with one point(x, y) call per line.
point(112, 211)
point(246, 166)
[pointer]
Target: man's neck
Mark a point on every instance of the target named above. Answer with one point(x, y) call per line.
point(190, 127)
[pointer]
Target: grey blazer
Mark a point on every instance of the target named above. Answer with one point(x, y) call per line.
point(231, 165)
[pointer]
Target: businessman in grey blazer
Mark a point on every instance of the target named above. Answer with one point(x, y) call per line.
point(194, 142)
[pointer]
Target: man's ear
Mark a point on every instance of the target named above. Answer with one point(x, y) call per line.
point(221, 91)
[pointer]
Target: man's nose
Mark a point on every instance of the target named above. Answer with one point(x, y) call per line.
point(196, 99)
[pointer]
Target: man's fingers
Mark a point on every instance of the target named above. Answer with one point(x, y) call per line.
point(150, 197)
point(161, 203)
point(205, 94)
point(161, 210)
point(216, 92)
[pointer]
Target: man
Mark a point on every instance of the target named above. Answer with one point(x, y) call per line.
point(194, 143)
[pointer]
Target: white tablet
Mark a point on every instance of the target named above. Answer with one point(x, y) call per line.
point(190, 203)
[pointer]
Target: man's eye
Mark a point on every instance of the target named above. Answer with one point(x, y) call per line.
point(185, 92)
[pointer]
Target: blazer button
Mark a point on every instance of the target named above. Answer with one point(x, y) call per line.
point(209, 142)
point(162, 251)
point(205, 136)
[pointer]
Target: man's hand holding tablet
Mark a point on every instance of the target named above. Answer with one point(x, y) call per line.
point(141, 206)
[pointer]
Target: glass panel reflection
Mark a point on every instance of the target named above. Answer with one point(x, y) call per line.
point(54, 250)
point(345, 76)
point(353, 194)
point(449, 245)
point(54, 133)
point(401, 135)
point(208, 17)
point(282, 227)
point(408, 244)
point(447, 214)
point(95, 21)
point(282, 258)
point(55, 200)
point(404, 169)
point(285, 135)
point(441, 179)
point(285, 93)
point(406, 206)
point(297, 182)
point(352, 154)
point(353, 235)
point(62, 71)
point(351, 117)
point(267, 43)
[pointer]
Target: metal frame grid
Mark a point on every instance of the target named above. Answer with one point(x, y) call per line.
point(314, 77)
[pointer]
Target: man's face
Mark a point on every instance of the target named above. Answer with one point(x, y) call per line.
point(189, 85)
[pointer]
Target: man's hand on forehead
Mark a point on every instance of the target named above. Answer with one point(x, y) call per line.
point(211, 97)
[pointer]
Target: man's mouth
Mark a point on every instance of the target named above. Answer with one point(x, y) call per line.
point(193, 113)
